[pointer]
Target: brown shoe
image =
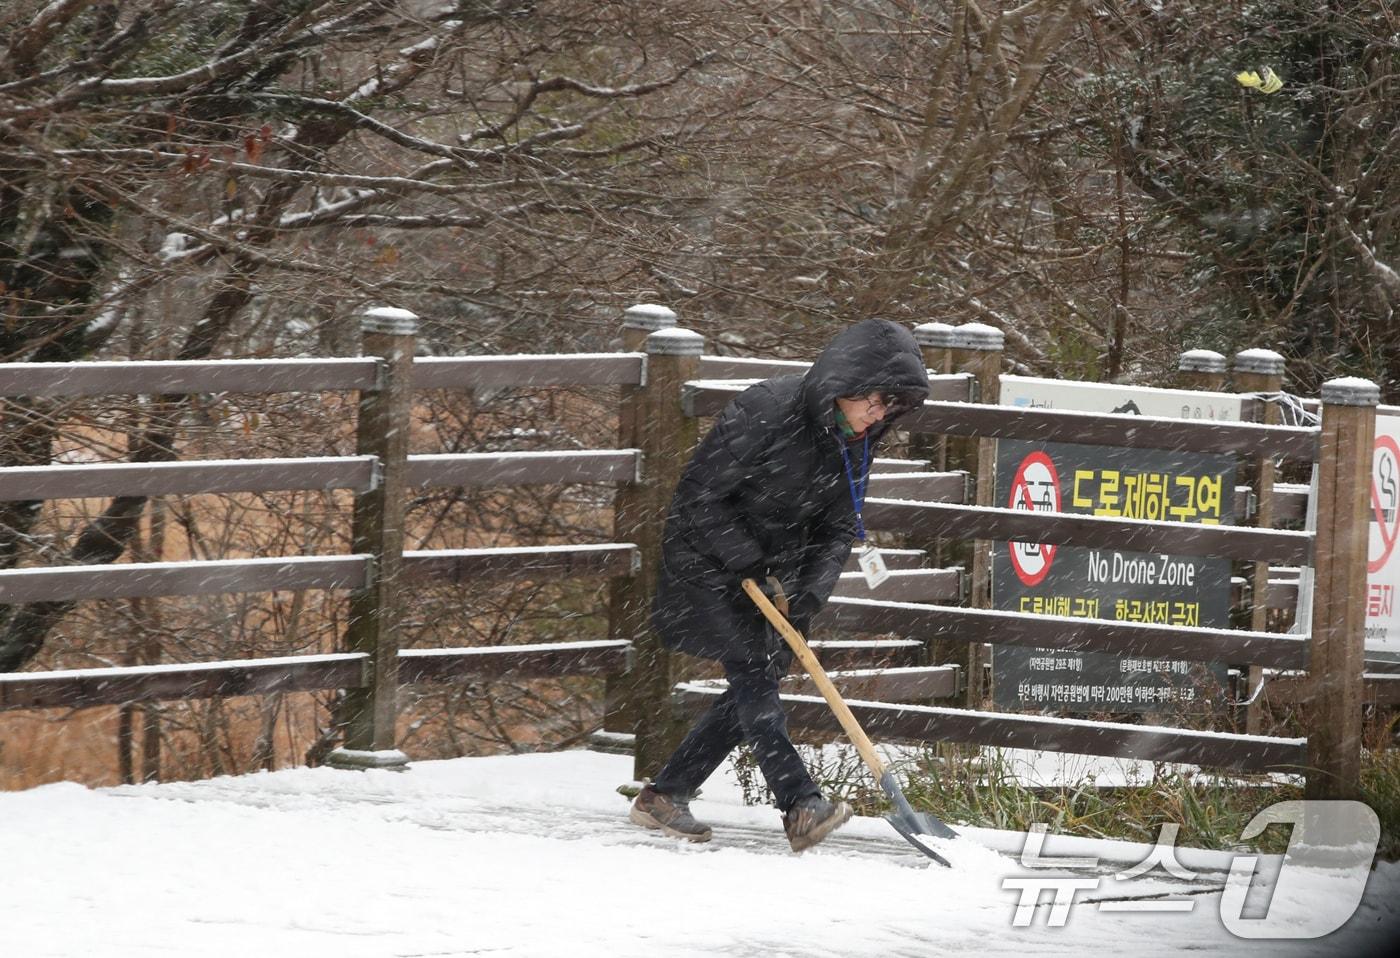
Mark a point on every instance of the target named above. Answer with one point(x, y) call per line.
point(652, 809)
point(812, 819)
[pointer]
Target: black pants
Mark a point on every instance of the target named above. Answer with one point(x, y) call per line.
point(749, 711)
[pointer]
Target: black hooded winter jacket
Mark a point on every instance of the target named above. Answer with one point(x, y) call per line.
point(767, 488)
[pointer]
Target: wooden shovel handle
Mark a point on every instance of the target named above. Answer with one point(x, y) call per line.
point(814, 669)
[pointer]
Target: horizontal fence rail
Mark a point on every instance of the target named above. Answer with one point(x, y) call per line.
point(151, 579)
point(536, 563)
point(88, 481)
point(905, 585)
point(1281, 593)
point(1107, 429)
point(894, 559)
point(923, 486)
point(524, 468)
point(857, 653)
point(885, 685)
point(898, 684)
point(735, 367)
point(926, 723)
point(541, 661)
point(357, 473)
point(1137, 535)
point(1275, 650)
point(178, 377)
point(254, 376)
point(84, 688)
point(889, 467)
point(1290, 502)
point(702, 397)
point(295, 573)
point(1378, 689)
point(483, 372)
point(146, 683)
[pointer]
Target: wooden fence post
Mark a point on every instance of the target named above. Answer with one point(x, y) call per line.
point(936, 344)
point(668, 438)
point(376, 611)
point(628, 602)
point(977, 349)
point(1201, 369)
point(1333, 691)
point(1259, 371)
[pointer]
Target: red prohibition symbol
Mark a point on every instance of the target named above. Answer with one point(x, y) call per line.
point(1036, 488)
point(1385, 499)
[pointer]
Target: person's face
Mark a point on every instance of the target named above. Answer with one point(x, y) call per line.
point(862, 412)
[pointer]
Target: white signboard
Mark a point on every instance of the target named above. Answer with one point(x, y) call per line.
point(1383, 552)
point(1112, 398)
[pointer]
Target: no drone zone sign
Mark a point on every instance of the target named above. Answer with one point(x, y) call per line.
point(1035, 488)
point(1066, 581)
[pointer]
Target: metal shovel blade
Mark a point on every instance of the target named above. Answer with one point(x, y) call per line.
point(914, 825)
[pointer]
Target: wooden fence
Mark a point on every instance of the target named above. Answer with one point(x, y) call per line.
point(380, 475)
point(666, 386)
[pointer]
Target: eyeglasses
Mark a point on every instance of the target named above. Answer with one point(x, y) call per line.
point(875, 400)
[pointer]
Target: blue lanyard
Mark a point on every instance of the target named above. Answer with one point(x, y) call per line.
point(858, 489)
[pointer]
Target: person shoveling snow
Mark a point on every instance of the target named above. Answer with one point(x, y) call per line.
point(773, 494)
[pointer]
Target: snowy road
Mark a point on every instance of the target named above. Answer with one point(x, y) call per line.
point(533, 856)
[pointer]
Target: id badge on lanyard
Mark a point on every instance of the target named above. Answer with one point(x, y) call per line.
point(872, 564)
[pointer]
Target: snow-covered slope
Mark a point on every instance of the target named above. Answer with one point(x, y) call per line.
point(533, 855)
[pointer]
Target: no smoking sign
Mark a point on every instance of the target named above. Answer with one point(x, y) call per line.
point(1385, 503)
point(1036, 488)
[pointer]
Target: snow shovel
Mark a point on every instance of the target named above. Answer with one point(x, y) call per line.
point(909, 823)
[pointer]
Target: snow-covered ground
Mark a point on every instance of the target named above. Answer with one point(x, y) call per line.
point(533, 855)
